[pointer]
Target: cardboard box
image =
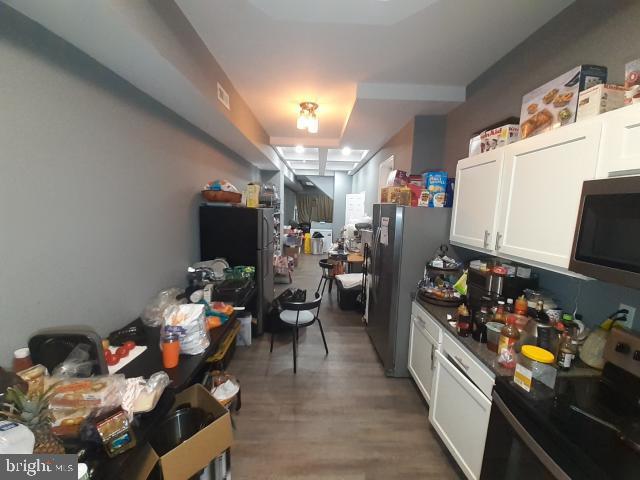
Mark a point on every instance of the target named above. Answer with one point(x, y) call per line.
point(555, 103)
point(436, 184)
point(195, 453)
point(632, 82)
point(389, 194)
point(397, 178)
point(600, 99)
point(293, 252)
point(499, 137)
point(475, 145)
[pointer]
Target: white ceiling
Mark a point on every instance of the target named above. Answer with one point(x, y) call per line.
point(371, 65)
point(326, 161)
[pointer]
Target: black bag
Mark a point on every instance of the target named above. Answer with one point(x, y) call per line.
point(273, 323)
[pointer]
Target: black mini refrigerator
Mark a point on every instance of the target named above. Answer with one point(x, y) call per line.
point(243, 236)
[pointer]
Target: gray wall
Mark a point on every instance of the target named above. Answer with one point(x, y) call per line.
point(325, 184)
point(341, 186)
point(589, 31)
point(428, 143)
point(366, 178)
point(98, 192)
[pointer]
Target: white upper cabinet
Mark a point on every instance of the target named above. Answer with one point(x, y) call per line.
point(620, 150)
point(475, 201)
point(540, 192)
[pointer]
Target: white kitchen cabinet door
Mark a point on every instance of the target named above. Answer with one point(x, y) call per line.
point(475, 201)
point(540, 192)
point(460, 415)
point(422, 349)
point(620, 147)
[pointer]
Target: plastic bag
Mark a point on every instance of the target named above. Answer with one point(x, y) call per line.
point(77, 363)
point(153, 314)
point(142, 395)
point(94, 393)
point(188, 322)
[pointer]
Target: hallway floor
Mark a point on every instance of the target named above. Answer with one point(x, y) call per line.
point(339, 417)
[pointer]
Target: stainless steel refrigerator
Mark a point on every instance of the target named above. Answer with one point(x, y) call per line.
point(243, 236)
point(404, 238)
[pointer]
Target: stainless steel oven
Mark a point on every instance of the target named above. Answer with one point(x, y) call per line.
point(606, 242)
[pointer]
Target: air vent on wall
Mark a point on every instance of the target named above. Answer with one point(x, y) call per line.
point(223, 96)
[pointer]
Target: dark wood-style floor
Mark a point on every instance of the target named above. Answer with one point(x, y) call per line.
point(339, 417)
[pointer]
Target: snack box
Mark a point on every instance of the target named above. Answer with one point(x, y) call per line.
point(416, 180)
point(555, 103)
point(600, 99)
point(451, 184)
point(436, 185)
point(389, 194)
point(632, 82)
point(397, 178)
point(499, 137)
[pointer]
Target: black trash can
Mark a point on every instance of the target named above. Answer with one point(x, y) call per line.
point(348, 297)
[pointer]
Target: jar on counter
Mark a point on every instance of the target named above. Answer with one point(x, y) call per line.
point(540, 363)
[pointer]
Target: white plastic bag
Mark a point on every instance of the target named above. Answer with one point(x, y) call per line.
point(154, 312)
point(188, 322)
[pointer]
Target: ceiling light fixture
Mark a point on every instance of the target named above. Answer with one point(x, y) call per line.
point(308, 118)
point(299, 149)
point(346, 151)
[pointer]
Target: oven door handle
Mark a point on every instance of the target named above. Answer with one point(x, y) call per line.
point(528, 440)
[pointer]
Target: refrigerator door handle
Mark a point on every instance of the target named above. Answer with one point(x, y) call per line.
point(375, 261)
point(264, 240)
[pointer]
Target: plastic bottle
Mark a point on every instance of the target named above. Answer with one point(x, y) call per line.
point(565, 352)
point(509, 335)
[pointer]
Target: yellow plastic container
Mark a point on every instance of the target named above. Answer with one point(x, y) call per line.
point(307, 243)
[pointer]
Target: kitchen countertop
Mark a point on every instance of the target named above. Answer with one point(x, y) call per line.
point(486, 356)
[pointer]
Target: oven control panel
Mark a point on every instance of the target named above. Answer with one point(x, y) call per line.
point(623, 349)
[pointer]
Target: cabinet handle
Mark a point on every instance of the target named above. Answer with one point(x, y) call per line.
point(421, 322)
point(433, 352)
point(459, 360)
point(486, 239)
point(498, 238)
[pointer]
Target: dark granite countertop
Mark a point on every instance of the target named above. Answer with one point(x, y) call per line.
point(477, 349)
point(480, 350)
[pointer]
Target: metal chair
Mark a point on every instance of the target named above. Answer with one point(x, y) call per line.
point(327, 275)
point(300, 315)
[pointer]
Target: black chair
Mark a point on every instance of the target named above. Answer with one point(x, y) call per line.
point(299, 315)
point(327, 275)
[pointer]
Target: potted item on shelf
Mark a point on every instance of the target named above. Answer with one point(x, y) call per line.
point(632, 82)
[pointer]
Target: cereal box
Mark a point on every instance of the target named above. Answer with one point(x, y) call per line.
point(436, 185)
point(555, 103)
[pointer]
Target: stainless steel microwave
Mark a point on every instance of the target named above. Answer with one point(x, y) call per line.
point(606, 244)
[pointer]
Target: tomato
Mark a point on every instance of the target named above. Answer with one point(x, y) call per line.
point(122, 352)
point(111, 358)
point(129, 345)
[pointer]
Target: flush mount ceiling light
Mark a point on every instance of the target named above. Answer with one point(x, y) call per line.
point(299, 149)
point(346, 151)
point(308, 118)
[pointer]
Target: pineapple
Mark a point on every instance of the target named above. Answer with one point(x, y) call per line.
point(33, 411)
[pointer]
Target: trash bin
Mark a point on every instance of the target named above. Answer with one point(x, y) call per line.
point(317, 245)
point(244, 335)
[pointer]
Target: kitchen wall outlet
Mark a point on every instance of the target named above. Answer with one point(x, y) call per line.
point(630, 316)
point(223, 96)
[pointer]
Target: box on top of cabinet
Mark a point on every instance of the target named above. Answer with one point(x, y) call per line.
point(632, 82)
point(600, 99)
point(555, 103)
point(499, 137)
